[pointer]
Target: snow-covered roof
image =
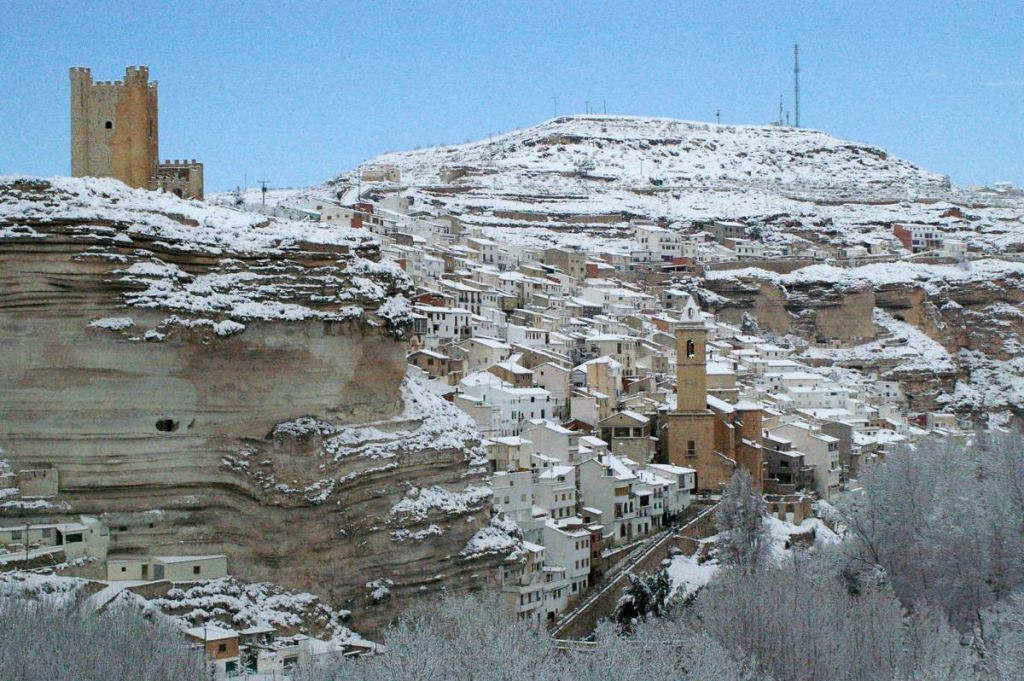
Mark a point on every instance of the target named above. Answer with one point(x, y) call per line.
point(188, 559)
point(211, 633)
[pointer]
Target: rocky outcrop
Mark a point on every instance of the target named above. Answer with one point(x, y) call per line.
point(951, 335)
point(203, 381)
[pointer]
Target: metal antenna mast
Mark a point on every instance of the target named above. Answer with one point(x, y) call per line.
point(796, 86)
point(263, 188)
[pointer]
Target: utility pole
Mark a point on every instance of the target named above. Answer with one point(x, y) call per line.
point(796, 86)
point(718, 115)
point(780, 108)
point(263, 188)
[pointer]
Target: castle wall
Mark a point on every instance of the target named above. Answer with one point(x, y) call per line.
point(181, 178)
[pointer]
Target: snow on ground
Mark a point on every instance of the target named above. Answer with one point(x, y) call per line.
point(992, 383)
point(501, 535)
point(426, 422)
point(190, 224)
point(29, 584)
point(782, 534)
point(225, 601)
point(932, 278)
point(239, 605)
point(581, 179)
point(260, 267)
point(687, 575)
point(419, 502)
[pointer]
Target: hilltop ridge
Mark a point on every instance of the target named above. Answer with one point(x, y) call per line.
point(582, 180)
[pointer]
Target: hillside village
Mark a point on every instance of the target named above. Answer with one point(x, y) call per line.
point(576, 396)
point(611, 404)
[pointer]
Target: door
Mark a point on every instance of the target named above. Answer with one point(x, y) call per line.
point(158, 572)
point(145, 572)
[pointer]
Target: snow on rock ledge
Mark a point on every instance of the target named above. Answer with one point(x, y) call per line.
point(226, 266)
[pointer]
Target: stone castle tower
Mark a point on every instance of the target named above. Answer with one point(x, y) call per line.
point(115, 133)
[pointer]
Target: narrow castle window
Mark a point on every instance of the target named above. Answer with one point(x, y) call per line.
point(109, 125)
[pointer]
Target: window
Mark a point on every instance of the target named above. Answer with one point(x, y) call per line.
point(690, 348)
point(73, 538)
point(196, 569)
point(691, 449)
point(222, 647)
point(109, 125)
point(15, 535)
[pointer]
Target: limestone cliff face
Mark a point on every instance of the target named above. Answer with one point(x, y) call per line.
point(972, 315)
point(204, 392)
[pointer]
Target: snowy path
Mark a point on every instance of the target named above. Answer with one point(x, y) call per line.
point(617, 574)
point(103, 597)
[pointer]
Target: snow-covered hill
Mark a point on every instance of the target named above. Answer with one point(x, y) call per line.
point(680, 153)
point(575, 178)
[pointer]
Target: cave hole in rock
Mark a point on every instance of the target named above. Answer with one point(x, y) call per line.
point(167, 425)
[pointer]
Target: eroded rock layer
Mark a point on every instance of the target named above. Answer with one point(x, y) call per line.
point(209, 383)
point(952, 335)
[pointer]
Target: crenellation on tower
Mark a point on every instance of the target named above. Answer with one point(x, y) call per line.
point(115, 133)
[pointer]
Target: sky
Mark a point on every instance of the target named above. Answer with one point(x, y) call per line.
point(295, 92)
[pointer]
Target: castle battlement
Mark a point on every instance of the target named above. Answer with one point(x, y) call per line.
point(133, 75)
point(182, 163)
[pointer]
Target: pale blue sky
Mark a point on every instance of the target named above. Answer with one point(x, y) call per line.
point(294, 92)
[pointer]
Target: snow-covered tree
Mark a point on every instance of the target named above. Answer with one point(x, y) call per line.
point(740, 518)
point(748, 325)
point(645, 595)
point(454, 637)
point(944, 522)
point(43, 640)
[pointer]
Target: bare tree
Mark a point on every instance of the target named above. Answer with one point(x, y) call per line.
point(45, 640)
point(944, 522)
point(454, 637)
